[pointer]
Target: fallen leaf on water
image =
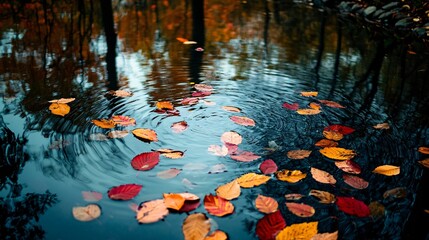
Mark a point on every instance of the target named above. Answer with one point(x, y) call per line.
point(300, 209)
point(424, 162)
point(189, 42)
point(322, 176)
point(293, 106)
point(121, 93)
point(424, 150)
point(231, 109)
point(266, 204)
point(201, 94)
point(217, 235)
point(98, 137)
point(331, 104)
point(291, 176)
point(188, 183)
point(196, 226)
point(250, 180)
point(353, 206)
point(189, 101)
point(339, 128)
point(173, 201)
point(384, 126)
point(270, 225)
point(232, 148)
point(62, 100)
point(218, 150)
point(245, 156)
point(91, 196)
point(164, 105)
point(117, 134)
point(179, 127)
point(348, 166)
point(304, 230)
point(309, 94)
point(124, 192)
point(151, 211)
point(231, 138)
point(293, 196)
point(203, 87)
point(182, 40)
point(229, 191)
point(308, 111)
point(208, 103)
point(61, 109)
point(218, 168)
point(268, 167)
point(337, 153)
point(399, 192)
point(326, 143)
point(298, 154)
point(326, 236)
point(387, 170)
point(244, 121)
point(124, 120)
point(170, 153)
point(376, 209)
point(145, 161)
point(217, 206)
point(145, 134)
point(169, 173)
point(87, 213)
point(190, 205)
point(323, 196)
point(104, 123)
point(314, 105)
point(355, 181)
point(333, 135)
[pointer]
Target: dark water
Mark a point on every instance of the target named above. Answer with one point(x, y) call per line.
point(256, 55)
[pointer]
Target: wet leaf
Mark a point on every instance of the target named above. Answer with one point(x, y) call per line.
point(121, 93)
point(217, 235)
point(300, 209)
point(322, 196)
point(229, 191)
point(266, 204)
point(218, 206)
point(399, 192)
point(151, 211)
point(340, 129)
point(203, 87)
point(308, 111)
point(298, 154)
point(353, 206)
point(196, 226)
point(355, 181)
point(117, 134)
point(322, 176)
point(179, 127)
point(384, 126)
point(337, 153)
point(164, 105)
point(169, 173)
point(87, 213)
point(170, 153)
point(314, 105)
point(208, 103)
point(61, 109)
point(326, 143)
point(293, 196)
point(145, 161)
point(291, 176)
point(244, 121)
point(387, 170)
point(268, 167)
point(424, 162)
point(250, 180)
point(348, 166)
point(189, 101)
point(232, 148)
point(231, 138)
point(297, 231)
point(173, 201)
point(376, 209)
point(333, 135)
point(91, 196)
point(200, 94)
point(309, 94)
point(270, 225)
point(145, 134)
point(124, 192)
point(218, 168)
point(62, 100)
point(104, 123)
point(245, 156)
point(424, 150)
point(293, 106)
point(326, 236)
point(124, 120)
point(218, 150)
point(231, 109)
point(189, 196)
point(331, 104)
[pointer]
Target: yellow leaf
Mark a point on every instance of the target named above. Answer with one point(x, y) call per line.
point(104, 123)
point(266, 204)
point(315, 106)
point(59, 109)
point(62, 100)
point(424, 150)
point(337, 153)
point(388, 170)
point(298, 154)
point(308, 111)
point(165, 105)
point(217, 235)
point(326, 236)
point(301, 231)
point(88, 213)
point(322, 176)
point(229, 191)
point(196, 226)
point(145, 134)
point(323, 197)
point(231, 109)
point(291, 176)
point(333, 135)
point(170, 153)
point(326, 143)
point(309, 94)
point(173, 200)
point(249, 180)
point(425, 162)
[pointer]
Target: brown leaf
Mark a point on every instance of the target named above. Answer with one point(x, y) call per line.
point(300, 209)
point(399, 192)
point(333, 135)
point(293, 196)
point(326, 143)
point(322, 176)
point(377, 209)
point(355, 181)
point(348, 166)
point(229, 191)
point(298, 154)
point(291, 176)
point(266, 204)
point(331, 104)
point(324, 197)
point(424, 162)
point(196, 226)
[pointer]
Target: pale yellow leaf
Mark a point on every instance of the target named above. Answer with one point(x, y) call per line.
point(229, 191)
point(62, 100)
point(337, 153)
point(249, 180)
point(322, 176)
point(388, 170)
point(300, 231)
point(291, 176)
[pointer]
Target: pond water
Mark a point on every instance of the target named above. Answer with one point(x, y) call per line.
point(256, 55)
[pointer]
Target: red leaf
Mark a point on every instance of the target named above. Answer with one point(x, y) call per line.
point(268, 167)
point(339, 128)
point(293, 106)
point(348, 166)
point(353, 206)
point(91, 196)
point(124, 192)
point(244, 121)
point(355, 181)
point(232, 148)
point(201, 94)
point(189, 101)
point(245, 156)
point(145, 161)
point(190, 205)
point(269, 225)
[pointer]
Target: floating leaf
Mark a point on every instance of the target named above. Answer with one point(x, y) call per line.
point(333, 135)
point(250, 180)
point(304, 230)
point(217, 235)
point(164, 105)
point(189, 42)
point(218, 168)
point(196, 226)
point(121, 93)
point(308, 111)
point(179, 127)
point(98, 137)
point(218, 206)
point(229, 191)
point(326, 236)
point(339, 128)
point(376, 209)
point(326, 143)
point(300, 209)
point(180, 39)
point(244, 121)
point(189, 101)
point(314, 105)
point(190, 205)
point(348, 166)
point(231, 109)
point(384, 126)
point(189, 196)
point(170, 153)
point(388, 170)
point(424, 162)
point(145, 161)
point(173, 201)
point(298, 154)
point(169, 173)
point(245, 156)
point(218, 150)
point(323, 197)
point(104, 123)
point(331, 104)
point(151, 211)
point(203, 87)
point(293, 196)
point(424, 150)
point(87, 213)
point(270, 225)
point(188, 183)
point(61, 109)
point(124, 192)
point(117, 134)
point(145, 134)
point(399, 192)
point(268, 167)
point(353, 206)
point(232, 148)
point(293, 106)
point(309, 94)
point(201, 94)
point(91, 196)
point(231, 138)
point(322, 176)
point(124, 120)
point(266, 204)
point(208, 103)
point(62, 100)
point(291, 176)
point(355, 181)
point(337, 153)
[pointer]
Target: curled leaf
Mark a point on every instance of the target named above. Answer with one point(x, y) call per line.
point(322, 196)
point(61, 109)
point(87, 213)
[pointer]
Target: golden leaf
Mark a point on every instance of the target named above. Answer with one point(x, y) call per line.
point(298, 154)
point(424, 162)
point(173, 200)
point(322, 176)
point(229, 191)
point(326, 236)
point(62, 100)
point(315, 106)
point(331, 104)
point(217, 235)
point(87, 213)
point(59, 109)
point(309, 94)
point(424, 150)
point(104, 123)
point(326, 143)
point(337, 153)
point(333, 135)
point(152, 211)
point(196, 226)
point(302, 231)
point(145, 134)
point(180, 39)
point(165, 105)
point(170, 153)
point(249, 180)
point(291, 176)
point(308, 111)
point(324, 197)
point(266, 204)
point(388, 170)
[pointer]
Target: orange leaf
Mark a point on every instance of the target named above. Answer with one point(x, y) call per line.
point(165, 105)
point(145, 134)
point(424, 162)
point(337, 153)
point(308, 111)
point(196, 226)
point(152, 211)
point(326, 143)
point(298, 154)
point(229, 191)
point(333, 135)
point(173, 200)
point(170, 153)
point(300, 209)
point(322, 196)
point(124, 120)
point(244, 121)
point(266, 204)
point(250, 180)
point(61, 109)
point(309, 94)
point(304, 230)
point(291, 176)
point(387, 170)
point(180, 39)
point(322, 176)
point(231, 138)
point(218, 206)
point(424, 150)
point(104, 123)
point(217, 235)
point(326, 236)
point(331, 104)
point(315, 106)
point(231, 109)
point(62, 100)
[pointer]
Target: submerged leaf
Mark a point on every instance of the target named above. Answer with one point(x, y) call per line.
point(244, 121)
point(377, 209)
point(355, 181)
point(169, 173)
point(196, 226)
point(124, 192)
point(326, 143)
point(117, 134)
point(300, 209)
point(297, 231)
point(337, 153)
point(399, 192)
point(218, 206)
point(424, 162)
point(298, 154)
point(270, 225)
point(87, 213)
point(145, 134)
point(266, 204)
point(121, 93)
point(218, 168)
point(151, 211)
point(61, 109)
point(387, 170)
point(229, 191)
point(91, 196)
point(250, 180)
point(291, 176)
